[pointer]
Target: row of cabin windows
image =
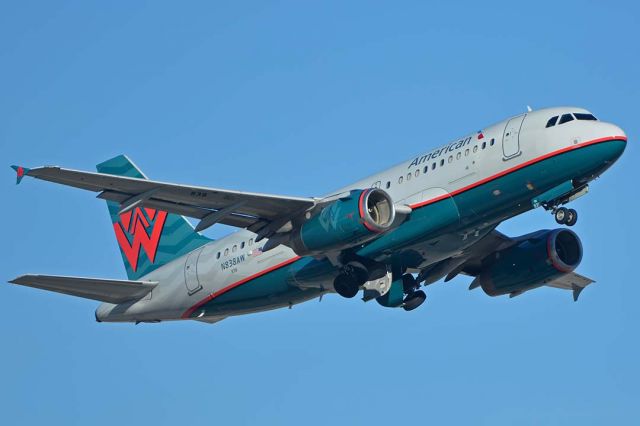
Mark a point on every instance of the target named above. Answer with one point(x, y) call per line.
point(234, 248)
point(449, 160)
point(565, 118)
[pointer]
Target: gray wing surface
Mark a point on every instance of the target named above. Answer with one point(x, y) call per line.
point(104, 290)
point(572, 281)
point(211, 205)
point(496, 241)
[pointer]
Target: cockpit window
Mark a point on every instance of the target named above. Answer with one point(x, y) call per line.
point(584, 116)
point(565, 118)
point(552, 121)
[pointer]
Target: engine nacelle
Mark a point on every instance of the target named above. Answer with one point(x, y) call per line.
point(532, 263)
point(359, 217)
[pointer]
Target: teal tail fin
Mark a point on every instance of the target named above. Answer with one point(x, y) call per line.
point(148, 238)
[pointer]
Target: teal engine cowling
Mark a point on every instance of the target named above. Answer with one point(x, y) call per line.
point(360, 216)
point(536, 260)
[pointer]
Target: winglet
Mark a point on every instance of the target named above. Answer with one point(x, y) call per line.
point(20, 172)
point(576, 291)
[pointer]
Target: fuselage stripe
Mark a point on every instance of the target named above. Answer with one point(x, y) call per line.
point(212, 296)
point(223, 290)
point(515, 168)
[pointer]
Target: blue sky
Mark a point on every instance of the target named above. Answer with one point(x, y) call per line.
point(301, 98)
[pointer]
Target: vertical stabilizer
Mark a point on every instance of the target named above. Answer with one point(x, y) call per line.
point(148, 238)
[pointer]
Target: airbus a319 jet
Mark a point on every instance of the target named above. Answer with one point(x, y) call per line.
point(429, 218)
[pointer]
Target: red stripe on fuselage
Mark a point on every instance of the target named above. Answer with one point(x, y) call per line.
point(223, 290)
point(515, 168)
point(212, 296)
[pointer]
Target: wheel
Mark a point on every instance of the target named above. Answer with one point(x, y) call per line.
point(572, 218)
point(409, 283)
point(414, 300)
point(561, 215)
point(377, 271)
point(346, 286)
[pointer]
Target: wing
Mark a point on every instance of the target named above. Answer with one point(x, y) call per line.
point(572, 281)
point(111, 291)
point(471, 263)
point(261, 213)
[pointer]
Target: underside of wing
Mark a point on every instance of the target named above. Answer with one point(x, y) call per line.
point(211, 205)
point(572, 281)
point(104, 290)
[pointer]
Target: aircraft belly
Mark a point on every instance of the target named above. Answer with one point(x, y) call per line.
point(434, 232)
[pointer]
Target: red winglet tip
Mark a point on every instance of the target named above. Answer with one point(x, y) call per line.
point(20, 173)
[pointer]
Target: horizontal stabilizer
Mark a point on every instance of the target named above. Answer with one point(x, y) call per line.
point(111, 291)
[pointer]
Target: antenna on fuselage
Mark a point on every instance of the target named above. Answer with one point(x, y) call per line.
point(529, 108)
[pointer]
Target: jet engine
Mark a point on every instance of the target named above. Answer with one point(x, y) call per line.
point(533, 262)
point(354, 219)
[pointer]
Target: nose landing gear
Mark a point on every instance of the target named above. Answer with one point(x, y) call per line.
point(565, 216)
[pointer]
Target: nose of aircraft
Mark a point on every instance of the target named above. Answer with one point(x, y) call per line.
point(613, 131)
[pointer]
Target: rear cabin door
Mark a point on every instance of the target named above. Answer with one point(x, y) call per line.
point(511, 137)
point(191, 271)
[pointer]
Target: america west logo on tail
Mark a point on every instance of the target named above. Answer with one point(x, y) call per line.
point(140, 228)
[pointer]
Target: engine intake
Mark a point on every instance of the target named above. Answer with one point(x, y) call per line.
point(359, 217)
point(538, 259)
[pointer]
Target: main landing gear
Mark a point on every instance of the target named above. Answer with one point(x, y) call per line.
point(565, 216)
point(414, 297)
point(355, 273)
point(347, 284)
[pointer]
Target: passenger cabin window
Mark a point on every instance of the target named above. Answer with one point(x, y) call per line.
point(235, 248)
point(565, 118)
point(442, 162)
point(552, 121)
point(426, 169)
point(242, 245)
point(250, 241)
point(484, 145)
point(226, 252)
point(218, 255)
point(492, 141)
point(388, 184)
point(584, 116)
point(400, 179)
point(433, 166)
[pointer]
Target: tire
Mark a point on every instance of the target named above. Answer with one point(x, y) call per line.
point(572, 218)
point(561, 215)
point(414, 300)
point(409, 283)
point(346, 286)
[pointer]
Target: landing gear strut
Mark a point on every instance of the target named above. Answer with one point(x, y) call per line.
point(565, 216)
point(414, 297)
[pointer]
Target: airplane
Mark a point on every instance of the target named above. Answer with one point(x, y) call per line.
point(429, 218)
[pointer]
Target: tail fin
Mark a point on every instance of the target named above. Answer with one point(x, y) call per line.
point(148, 238)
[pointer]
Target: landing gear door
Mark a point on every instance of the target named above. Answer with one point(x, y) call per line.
point(511, 137)
point(191, 272)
